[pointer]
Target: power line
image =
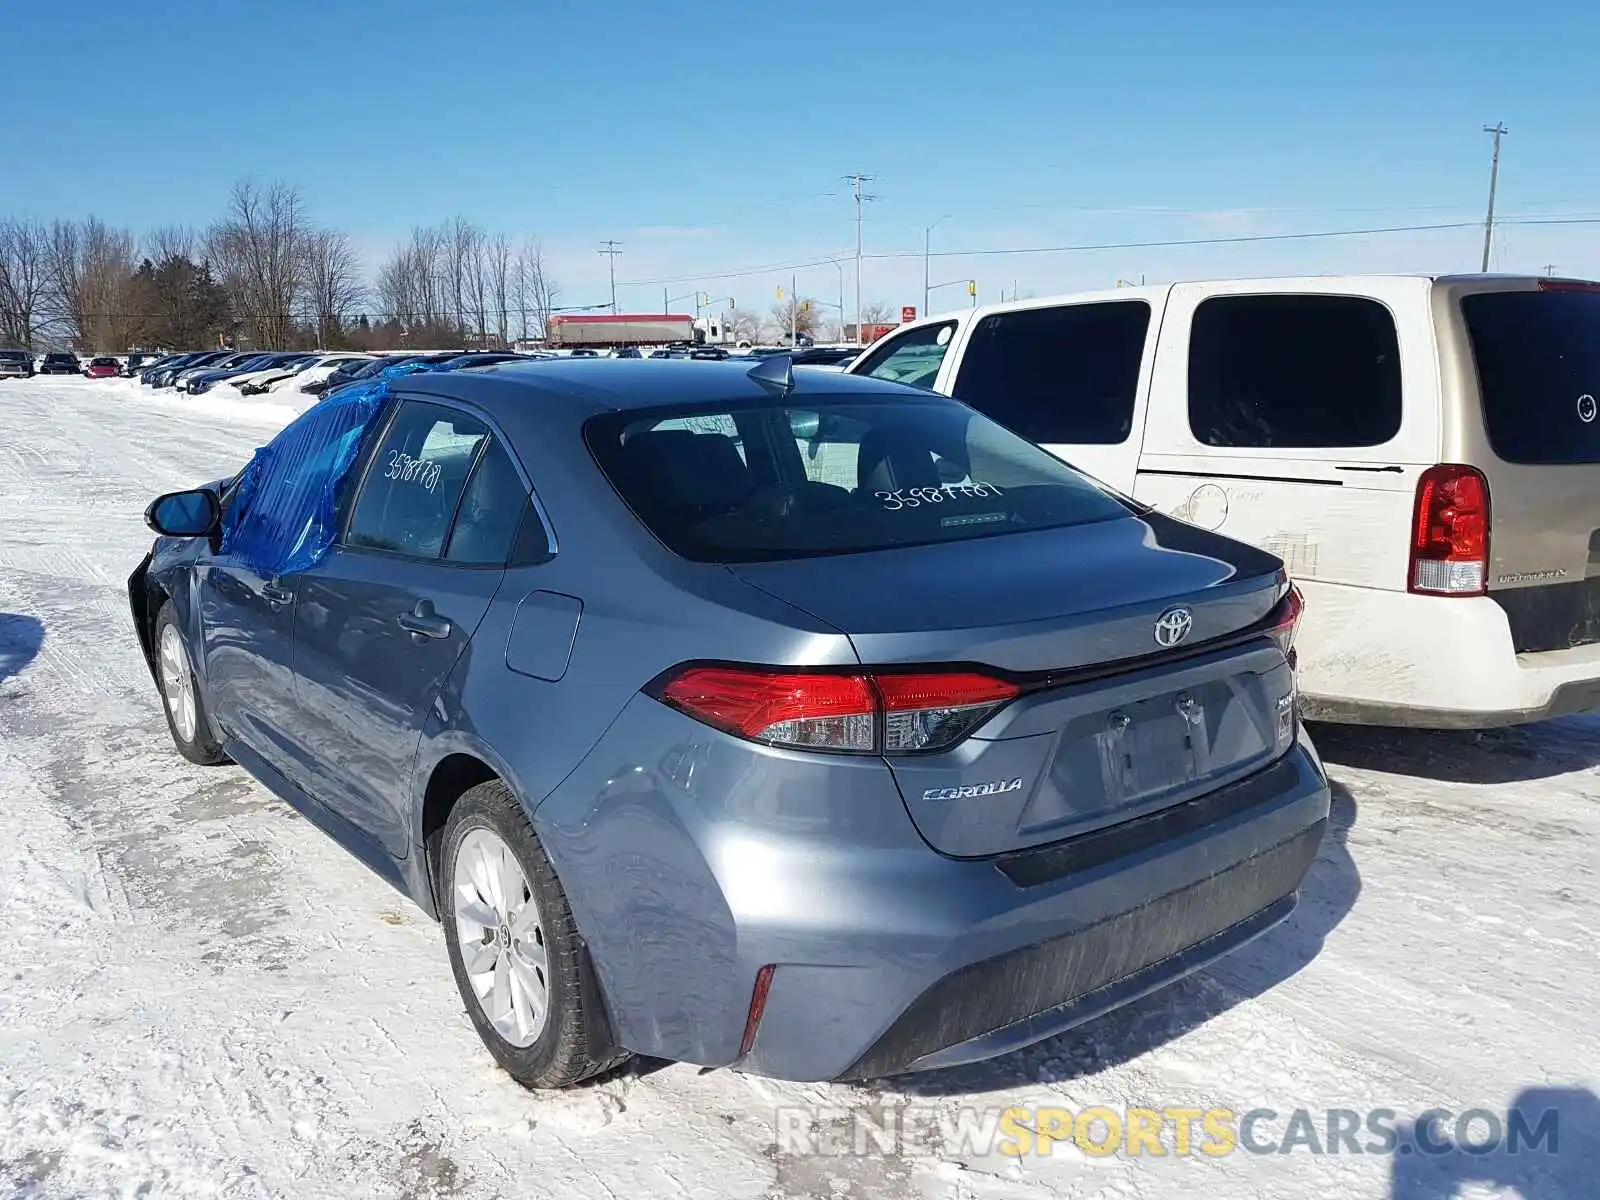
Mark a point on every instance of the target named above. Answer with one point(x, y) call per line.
point(1165, 243)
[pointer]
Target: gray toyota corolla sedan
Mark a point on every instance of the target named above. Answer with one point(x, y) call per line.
point(789, 721)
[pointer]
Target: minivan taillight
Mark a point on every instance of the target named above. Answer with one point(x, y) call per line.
point(895, 712)
point(1450, 533)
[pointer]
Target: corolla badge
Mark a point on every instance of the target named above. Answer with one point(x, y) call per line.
point(1586, 409)
point(1173, 626)
point(993, 788)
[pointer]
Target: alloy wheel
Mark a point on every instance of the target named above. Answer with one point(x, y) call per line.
point(501, 937)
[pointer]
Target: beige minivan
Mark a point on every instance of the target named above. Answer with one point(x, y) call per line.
point(1423, 453)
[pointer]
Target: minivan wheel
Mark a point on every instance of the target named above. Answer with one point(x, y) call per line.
point(522, 969)
point(180, 695)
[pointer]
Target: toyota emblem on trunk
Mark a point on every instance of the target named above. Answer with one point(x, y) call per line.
point(1173, 626)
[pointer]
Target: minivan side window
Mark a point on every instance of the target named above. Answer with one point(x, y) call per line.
point(1065, 374)
point(911, 358)
point(1293, 371)
point(415, 480)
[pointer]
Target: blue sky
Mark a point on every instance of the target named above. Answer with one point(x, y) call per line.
point(708, 138)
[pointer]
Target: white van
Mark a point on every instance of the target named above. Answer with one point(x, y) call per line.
point(1422, 452)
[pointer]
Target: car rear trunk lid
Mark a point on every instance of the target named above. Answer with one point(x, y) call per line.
point(1112, 724)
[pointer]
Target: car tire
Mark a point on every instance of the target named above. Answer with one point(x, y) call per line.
point(505, 957)
point(180, 695)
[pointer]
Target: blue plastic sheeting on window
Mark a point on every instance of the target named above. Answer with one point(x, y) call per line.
point(402, 369)
point(283, 517)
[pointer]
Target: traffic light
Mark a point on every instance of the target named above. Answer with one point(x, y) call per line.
point(805, 306)
point(972, 287)
point(731, 304)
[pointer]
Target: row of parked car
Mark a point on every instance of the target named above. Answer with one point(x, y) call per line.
point(22, 364)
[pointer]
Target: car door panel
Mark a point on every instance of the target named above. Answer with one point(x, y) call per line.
point(247, 637)
point(365, 679)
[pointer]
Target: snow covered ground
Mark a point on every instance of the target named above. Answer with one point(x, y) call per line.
point(200, 994)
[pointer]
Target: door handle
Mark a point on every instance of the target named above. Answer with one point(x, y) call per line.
point(423, 623)
point(272, 593)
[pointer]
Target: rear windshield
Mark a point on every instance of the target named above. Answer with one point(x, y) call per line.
point(13, 355)
point(1538, 356)
point(833, 475)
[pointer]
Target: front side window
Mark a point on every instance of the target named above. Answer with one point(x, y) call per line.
point(911, 358)
point(1293, 371)
point(1062, 375)
point(833, 475)
point(415, 480)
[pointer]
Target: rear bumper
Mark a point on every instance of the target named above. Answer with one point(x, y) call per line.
point(1391, 658)
point(1016, 999)
point(887, 955)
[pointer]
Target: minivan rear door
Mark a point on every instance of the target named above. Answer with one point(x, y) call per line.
point(1523, 405)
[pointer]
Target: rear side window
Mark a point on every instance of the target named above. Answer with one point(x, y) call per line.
point(1293, 372)
point(491, 510)
point(1058, 375)
point(911, 358)
point(415, 480)
point(1538, 356)
point(833, 475)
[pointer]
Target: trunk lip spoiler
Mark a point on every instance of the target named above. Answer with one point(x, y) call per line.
point(1028, 682)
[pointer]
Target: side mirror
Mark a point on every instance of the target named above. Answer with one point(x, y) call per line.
point(185, 514)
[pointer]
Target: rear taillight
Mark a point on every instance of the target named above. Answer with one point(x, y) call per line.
point(861, 713)
point(1450, 533)
point(1285, 622)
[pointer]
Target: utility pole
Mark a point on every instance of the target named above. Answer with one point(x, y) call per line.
point(927, 239)
point(611, 252)
point(794, 312)
point(1549, 269)
point(1499, 130)
point(855, 181)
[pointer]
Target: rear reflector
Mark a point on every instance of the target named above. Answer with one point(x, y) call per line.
point(861, 713)
point(758, 1005)
point(1450, 533)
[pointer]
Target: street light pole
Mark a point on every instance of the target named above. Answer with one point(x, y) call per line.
point(927, 242)
point(837, 266)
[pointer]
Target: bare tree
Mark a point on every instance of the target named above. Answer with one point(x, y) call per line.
point(878, 313)
point(497, 255)
point(90, 269)
point(799, 314)
point(534, 292)
point(24, 281)
point(414, 287)
point(460, 248)
point(332, 283)
point(168, 242)
point(259, 250)
point(746, 325)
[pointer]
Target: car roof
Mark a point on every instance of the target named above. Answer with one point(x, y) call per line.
point(605, 385)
